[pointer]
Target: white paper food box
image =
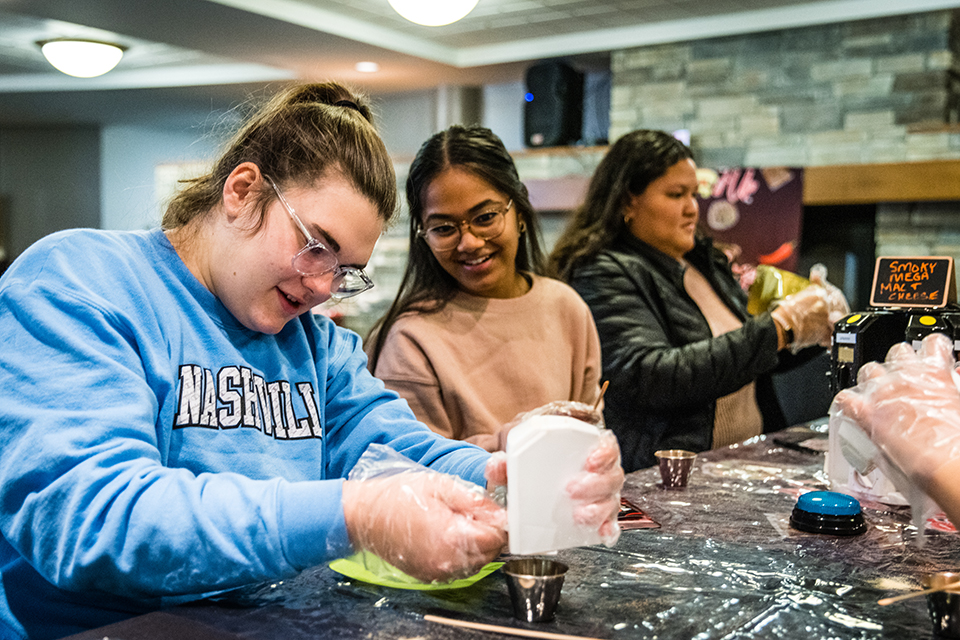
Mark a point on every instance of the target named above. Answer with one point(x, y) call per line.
point(544, 454)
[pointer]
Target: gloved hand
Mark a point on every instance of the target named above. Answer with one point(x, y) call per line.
point(581, 411)
point(596, 490)
point(431, 526)
point(808, 315)
point(837, 305)
point(909, 407)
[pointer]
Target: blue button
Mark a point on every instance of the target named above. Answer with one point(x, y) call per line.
point(828, 503)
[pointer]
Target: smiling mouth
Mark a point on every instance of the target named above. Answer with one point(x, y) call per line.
point(477, 261)
point(293, 301)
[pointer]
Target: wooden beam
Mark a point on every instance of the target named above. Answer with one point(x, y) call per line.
point(894, 182)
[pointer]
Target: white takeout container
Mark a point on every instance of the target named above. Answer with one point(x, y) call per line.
point(851, 465)
point(544, 453)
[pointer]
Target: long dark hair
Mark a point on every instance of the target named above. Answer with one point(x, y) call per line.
point(632, 163)
point(425, 286)
point(298, 136)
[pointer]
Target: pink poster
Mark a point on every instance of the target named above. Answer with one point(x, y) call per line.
point(753, 214)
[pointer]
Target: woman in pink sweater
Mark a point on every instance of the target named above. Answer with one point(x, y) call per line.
point(477, 335)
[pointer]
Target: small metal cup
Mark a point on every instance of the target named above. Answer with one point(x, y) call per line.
point(675, 465)
point(534, 585)
point(944, 606)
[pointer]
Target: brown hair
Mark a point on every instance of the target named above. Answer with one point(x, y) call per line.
point(299, 136)
point(632, 163)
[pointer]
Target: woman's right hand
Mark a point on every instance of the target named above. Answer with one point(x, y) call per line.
point(909, 406)
point(430, 525)
point(807, 313)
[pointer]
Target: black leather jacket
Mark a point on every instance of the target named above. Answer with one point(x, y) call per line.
point(666, 370)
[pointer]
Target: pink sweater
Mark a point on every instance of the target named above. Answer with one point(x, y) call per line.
point(476, 364)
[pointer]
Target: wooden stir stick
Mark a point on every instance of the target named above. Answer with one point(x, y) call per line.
point(603, 390)
point(513, 631)
point(953, 586)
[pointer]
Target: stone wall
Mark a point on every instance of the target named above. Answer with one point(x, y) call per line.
point(918, 229)
point(858, 92)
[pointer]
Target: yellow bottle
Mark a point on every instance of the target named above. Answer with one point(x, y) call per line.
point(772, 284)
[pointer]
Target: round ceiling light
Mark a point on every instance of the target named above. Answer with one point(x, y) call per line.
point(433, 13)
point(81, 58)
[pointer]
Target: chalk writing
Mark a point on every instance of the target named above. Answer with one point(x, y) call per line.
point(915, 282)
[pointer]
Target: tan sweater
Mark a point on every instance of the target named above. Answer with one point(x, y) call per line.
point(475, 365)
point(737, 416)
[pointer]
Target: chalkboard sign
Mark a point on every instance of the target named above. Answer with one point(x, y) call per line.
point(914, 282)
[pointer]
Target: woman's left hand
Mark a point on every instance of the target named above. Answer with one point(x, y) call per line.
point(596, 491)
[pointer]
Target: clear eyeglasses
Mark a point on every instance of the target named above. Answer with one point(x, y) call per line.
point(315, 259)
point(445, 236)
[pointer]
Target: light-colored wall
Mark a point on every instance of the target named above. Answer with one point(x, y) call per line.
point(503, 113)
point(129, 158)
point(49, 180)
point(406, 120)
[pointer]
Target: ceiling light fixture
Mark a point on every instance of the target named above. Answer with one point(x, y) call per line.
point(367, 67)
point(433, 13)
point(81, 58)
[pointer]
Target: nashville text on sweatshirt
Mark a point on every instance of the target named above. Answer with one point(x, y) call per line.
point(237, 397)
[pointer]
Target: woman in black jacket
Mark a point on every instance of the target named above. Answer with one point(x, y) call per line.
point(688, 366)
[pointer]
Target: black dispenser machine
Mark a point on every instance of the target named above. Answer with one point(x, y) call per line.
point(911, 298)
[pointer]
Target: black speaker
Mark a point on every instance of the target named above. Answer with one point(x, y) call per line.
point(553, 112)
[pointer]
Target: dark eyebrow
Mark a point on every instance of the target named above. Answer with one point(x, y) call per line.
point(331, 243)
point(323, 236)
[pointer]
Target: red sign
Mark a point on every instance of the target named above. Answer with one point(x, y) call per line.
point(754, 214)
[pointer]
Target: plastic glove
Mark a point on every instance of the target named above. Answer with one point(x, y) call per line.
point(807, 313)
point(910, 407)
point(596, 490)
point(432, 526)
point(493, 442)
point(837, 305)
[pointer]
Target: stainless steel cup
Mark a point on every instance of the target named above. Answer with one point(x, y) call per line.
point(675, 465)
point(534, 585)
point(944, 606)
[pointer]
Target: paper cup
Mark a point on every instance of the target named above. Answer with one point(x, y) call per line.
point(675, 466)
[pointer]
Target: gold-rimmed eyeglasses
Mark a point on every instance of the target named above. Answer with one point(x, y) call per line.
point(316, 259)
point(445, 235)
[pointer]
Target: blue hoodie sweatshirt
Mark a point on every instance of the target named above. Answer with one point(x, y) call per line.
point(153, 450)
